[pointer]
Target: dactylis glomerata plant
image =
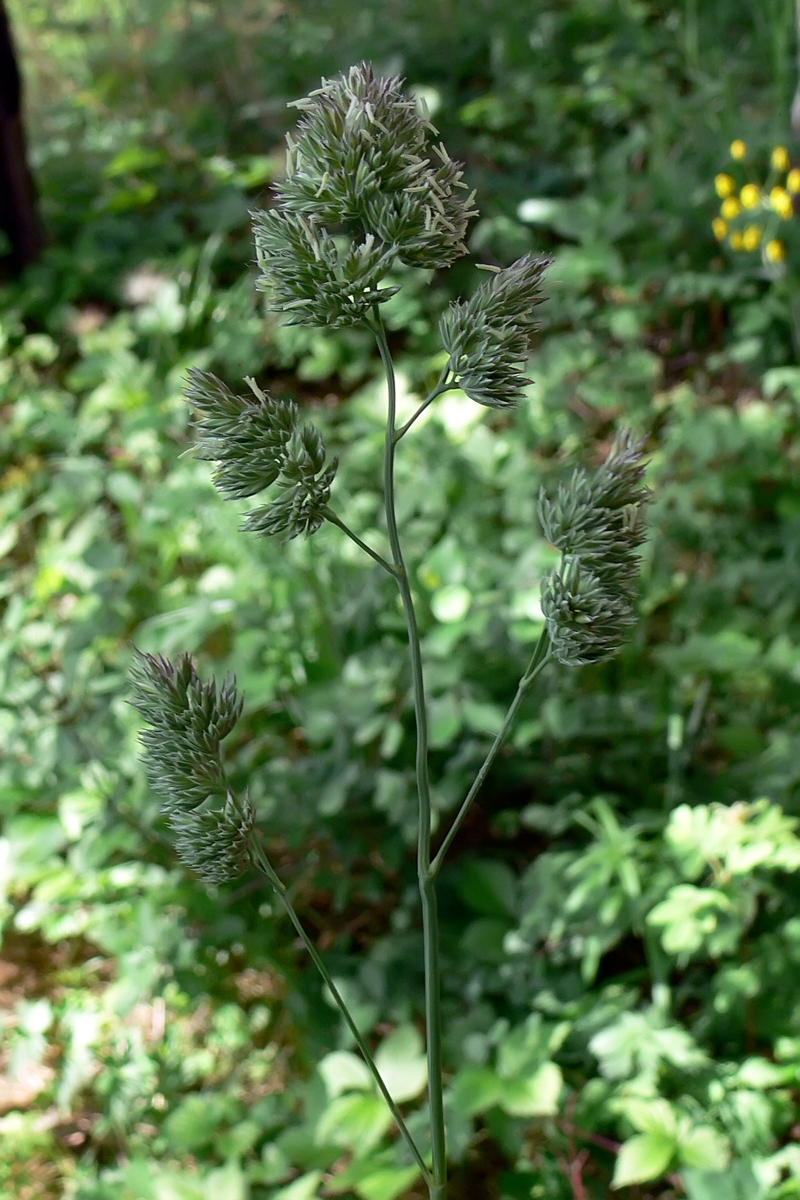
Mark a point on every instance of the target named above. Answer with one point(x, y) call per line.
point(362, 192)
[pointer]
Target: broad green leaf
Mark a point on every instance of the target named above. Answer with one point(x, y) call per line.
point(640, 1042)
point(445, 720)
point(304, 1188)
point(78, 809)
point(387, 1183)
point(139, 1176)
point(760, 1073)
point(194, 1123)
point(357, 1120)
point(400, 1058)
point(475, 1089)
point(653, 1116)
point(174, 1185)
point(34, 1016)
point(488, 887)
point(482, 717)
point(703, 1147)
point(235, 1142)
point(726, 652)
point(524, 1048)
point(344, 1072)
point(228, 1181)
point(451, 603)
point(536, 1096)
point(642, 1158)
point(484, 939)
point(688, 915)
point(736, 1182)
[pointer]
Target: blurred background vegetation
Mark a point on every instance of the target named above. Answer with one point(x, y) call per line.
point(621, 914)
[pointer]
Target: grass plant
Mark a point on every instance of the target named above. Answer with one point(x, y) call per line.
point(359, 163)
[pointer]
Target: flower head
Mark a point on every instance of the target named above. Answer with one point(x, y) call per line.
point(780, 158)
point(751, 238)
point(216, 845)
point(362, 190)
point(750, 195)
point(720, 228)
point(487, 337)
point(730, 208)
point(186, 722)
point(793, 181)
point(585, 622)
point(257, 441)
point(738, 149)
point(245, 435)
point(724, 185)
point(775, 251)
point(781, 201)
point(314, 277)
point(305, 489)
point(358, 137)
point(597, 522)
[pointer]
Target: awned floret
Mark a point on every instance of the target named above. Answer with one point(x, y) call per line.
point(597, 522)
point(186, 721)
point(363, 189)
point(257, 441)
point(488, 336)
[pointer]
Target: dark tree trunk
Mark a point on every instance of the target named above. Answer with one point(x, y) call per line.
point(19, 219)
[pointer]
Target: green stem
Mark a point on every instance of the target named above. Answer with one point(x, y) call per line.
point(331, 516)
point(266, 867)
point(430, 926)
point(540, 656)
point(441, 386)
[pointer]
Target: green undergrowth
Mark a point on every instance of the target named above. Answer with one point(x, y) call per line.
point(621, 937)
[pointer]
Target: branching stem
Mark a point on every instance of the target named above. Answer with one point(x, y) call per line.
point(540, 656)
point(430, 924)
point(331, 516)
point(266, 868)
point(442, 385)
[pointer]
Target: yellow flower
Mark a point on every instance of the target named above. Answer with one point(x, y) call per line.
point(751, 238)
point(781, 201)
point(736, 240)
point(793, 180)
point(730, 208)
point(775, 251)
point(725, 185)
point(738, 149)
point(750, 196)
point(780, 158)
point(720, 228)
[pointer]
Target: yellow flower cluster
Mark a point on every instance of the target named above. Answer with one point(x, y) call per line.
point(772, 198)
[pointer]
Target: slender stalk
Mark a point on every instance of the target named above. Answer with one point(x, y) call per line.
point(540, 656)
point(331, 516)
point(442, 385)
point(430, 925)
point(267, 869)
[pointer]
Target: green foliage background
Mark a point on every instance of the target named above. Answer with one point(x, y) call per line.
point(621, 925)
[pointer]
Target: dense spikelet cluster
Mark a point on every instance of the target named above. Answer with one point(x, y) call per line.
point(314, 277)
point(305, 488)
point(488, 336)
point(186, 722)
point(257, 441)
point(597, 522)
point(361, 191)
